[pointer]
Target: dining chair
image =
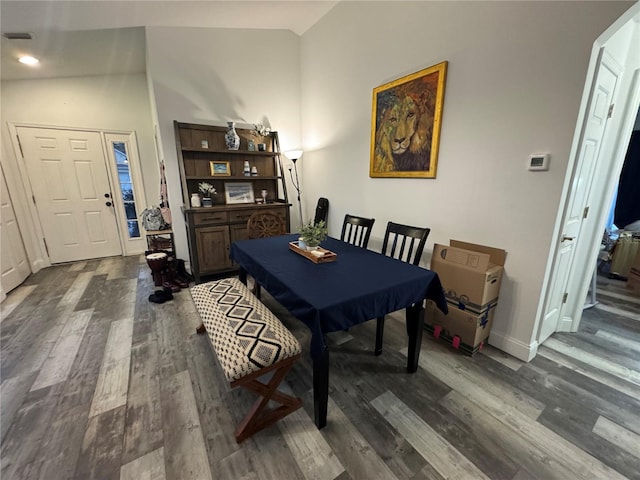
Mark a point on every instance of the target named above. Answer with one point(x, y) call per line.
point(405, 243)
point(263, 225)
point(356, 230)
point(322, 210)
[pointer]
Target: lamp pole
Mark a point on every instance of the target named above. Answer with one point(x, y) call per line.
point(296, 185)
point(294, 155)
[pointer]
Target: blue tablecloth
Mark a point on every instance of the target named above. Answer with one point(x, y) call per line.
point(359, 286)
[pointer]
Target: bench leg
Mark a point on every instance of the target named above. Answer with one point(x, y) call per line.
point(257, 419)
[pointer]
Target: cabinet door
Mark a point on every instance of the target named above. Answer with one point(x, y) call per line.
point(213, 248)
point(238, 232)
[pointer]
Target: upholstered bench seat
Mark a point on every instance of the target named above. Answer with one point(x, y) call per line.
point(249, 341)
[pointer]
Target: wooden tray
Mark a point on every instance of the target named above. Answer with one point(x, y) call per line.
point(328, 256)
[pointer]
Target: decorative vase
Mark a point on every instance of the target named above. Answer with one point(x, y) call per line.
point(195, 200)
point(302, 244)
point(231, 138)
point(251, 145)
point(207, 202)
point(247, 169)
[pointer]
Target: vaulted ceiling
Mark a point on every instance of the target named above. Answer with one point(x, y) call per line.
point(74, 38)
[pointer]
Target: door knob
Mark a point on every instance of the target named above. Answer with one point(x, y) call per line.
point(564, 237)
point(108, 204)
point(107, 195)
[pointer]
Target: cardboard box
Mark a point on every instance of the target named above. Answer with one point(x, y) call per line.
point(470, 274)
point(633, 279)
point(625, 254)
point(471, 328)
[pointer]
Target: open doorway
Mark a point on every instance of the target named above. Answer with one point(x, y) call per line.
point(621, 239)
point(607, 114)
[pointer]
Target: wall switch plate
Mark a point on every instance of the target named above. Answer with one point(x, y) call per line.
point(539, 162)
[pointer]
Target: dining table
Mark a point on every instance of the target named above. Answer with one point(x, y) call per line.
point(357, 286)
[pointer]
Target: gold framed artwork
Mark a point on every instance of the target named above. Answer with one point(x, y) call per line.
point(220, 169)
point(405, 124)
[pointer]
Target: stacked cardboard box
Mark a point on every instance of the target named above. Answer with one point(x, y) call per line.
point(633, 279)
point(471, 276)
point(625, 250)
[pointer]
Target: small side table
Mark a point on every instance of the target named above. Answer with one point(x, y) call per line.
point(160, 240)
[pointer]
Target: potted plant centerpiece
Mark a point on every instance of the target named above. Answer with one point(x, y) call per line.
point(207, 191)
point(312, 234)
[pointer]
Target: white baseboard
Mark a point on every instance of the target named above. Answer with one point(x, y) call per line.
point(513, 346)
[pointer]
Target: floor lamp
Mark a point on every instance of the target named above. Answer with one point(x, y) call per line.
point(294, 155)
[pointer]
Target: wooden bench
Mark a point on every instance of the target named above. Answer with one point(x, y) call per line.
point(249, 342)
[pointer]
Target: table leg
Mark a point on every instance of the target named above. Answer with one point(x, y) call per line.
point(321, 385)
point(415, 324)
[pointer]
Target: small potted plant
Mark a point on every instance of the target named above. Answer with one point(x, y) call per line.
point(260, 131)
point(207, 191)
point(313, 233)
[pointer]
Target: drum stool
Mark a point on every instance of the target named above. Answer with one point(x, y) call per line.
point(157, 263)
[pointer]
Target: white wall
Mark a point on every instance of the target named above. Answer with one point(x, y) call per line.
point(113, 102)
point(515, 80)
point(212, 76)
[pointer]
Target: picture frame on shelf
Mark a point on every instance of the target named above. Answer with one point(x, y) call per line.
point(219, 169)
point(413, 105)
point(238, 192)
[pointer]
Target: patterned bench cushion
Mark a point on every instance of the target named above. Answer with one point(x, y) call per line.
point(245, 335)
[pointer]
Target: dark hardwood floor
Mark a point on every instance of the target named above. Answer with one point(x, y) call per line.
point(99, 383)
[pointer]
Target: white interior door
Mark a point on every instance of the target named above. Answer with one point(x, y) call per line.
point(69, 181)
point(598, 113)
point(15, 265)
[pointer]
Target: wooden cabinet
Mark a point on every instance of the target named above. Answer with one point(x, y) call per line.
point(211, 230)
point(212, 244)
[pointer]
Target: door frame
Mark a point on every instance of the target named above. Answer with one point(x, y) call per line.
point(29, 223)
point(609, 161)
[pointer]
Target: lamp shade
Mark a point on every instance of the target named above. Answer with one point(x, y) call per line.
point(293, 154)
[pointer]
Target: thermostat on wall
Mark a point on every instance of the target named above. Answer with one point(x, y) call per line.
point(539, 161)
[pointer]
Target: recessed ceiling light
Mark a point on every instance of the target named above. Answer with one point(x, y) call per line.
point(28, 60)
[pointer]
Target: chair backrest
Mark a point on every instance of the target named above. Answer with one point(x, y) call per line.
point(322, 210)
point(356, 230)
point(404, 242)
point(265, 224)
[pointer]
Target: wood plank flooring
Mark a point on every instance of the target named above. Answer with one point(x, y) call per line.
point(99, 383)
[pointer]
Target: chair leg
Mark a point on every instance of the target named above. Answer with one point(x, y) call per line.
point(256, 419)
point(379, 335)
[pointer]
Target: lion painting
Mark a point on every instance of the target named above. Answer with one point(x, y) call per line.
point(404, 138)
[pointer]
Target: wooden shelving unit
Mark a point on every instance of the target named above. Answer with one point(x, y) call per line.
point(211, 230)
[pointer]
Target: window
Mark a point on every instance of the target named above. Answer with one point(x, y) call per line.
point(126, 188)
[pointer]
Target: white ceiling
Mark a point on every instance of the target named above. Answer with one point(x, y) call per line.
point(75, 38)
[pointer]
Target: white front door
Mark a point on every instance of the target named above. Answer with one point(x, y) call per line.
point(15, 266)
point(597, 115)
point(70, 184)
